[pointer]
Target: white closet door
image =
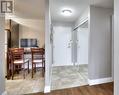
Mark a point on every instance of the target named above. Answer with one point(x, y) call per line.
point(82, 45)
point(62, 46)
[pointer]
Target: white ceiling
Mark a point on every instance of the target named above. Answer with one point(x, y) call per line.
point(31, 9)
point(77, 7)
point(35, 9)
point(103, 3)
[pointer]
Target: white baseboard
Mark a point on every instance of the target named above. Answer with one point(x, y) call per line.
point(58, 65)
point(100, 81)
point(71, 64)
point(47, 89)
point(81, 64)
point(4, 93)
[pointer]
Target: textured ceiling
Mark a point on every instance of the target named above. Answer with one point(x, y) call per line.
point(33, 9)
point(77, 6)
point(103, 3)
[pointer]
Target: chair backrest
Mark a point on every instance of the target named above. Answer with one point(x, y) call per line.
point(37, 53)
point(17, 53)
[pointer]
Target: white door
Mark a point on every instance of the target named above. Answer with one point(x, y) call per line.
point(82, 45)
point(61, 46)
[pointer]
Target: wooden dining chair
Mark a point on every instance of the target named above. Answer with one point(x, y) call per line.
point(38, 58)
point(17, 55)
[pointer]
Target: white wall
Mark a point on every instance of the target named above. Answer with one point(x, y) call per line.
point(2, 54)
point(116, 47)
point(100, 43)
point(48, 48)
point(31, 28)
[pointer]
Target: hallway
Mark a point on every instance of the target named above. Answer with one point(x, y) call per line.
point(69, 76)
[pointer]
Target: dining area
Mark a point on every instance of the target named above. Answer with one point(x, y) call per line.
point(26, 61)
point(25, 70)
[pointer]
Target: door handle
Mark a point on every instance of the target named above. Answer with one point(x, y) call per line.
point(69, 45)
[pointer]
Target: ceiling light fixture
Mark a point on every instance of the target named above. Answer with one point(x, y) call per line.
point(66, 12)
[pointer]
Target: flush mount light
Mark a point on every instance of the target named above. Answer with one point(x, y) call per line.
point(67, 12)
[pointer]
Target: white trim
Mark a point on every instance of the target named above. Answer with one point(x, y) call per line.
point(81, 22)
point(72, 64)
point(100, 81)
point(58, 65)
point(81, 63)
point(4, 93)
point(47, 89)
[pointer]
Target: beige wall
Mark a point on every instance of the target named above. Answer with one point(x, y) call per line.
point(31, 28)
point(2, 55)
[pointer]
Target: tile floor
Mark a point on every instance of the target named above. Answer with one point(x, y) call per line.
point(69, 76)
point(62, 77)
point(20, 86)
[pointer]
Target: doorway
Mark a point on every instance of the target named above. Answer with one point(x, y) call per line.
point(70, 56)
point(25, 48)
point(67, 71)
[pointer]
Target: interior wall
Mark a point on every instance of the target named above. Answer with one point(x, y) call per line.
point(48, 48)
point(2, 54)
point(100, 43)
point(31, 28)
point(116, 47)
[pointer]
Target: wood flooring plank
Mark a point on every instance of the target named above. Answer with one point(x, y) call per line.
point(103, 89)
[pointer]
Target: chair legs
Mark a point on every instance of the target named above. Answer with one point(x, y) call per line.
point(43, 73)
point(43, 68)
point(28, 68)
point(32, 69)
point(12, 71)
point(35, 67)
point(24, 71)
